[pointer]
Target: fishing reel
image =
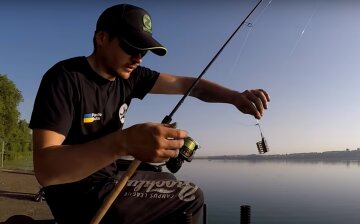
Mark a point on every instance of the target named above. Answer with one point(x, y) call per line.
point(186, 153)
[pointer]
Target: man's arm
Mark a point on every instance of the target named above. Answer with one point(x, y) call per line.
point(249, 102)
point(57, 164)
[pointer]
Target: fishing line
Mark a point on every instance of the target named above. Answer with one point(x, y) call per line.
point(262, 11)
point(258, 124)
point(262, 145)
point(246, 125)
point(251, 26)
point(303, 31)
point(167, 119)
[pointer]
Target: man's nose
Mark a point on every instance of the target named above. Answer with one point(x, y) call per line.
point(137, 58)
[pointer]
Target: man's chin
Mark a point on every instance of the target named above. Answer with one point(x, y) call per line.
point(124, 74)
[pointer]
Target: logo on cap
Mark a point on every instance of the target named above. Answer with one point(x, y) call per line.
point(147, 23)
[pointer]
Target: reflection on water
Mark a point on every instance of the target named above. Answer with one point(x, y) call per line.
point(278, 192)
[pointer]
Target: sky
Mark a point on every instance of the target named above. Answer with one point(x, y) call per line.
point(304, 53)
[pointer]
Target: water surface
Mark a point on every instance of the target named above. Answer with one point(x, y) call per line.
point(278, 192)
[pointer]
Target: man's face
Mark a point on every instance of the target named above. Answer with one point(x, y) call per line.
point(120, 59)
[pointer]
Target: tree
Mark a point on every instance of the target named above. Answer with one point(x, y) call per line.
point(10, 97)
point(13, 131)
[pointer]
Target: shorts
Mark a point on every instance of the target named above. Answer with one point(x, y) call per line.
point(148, 197)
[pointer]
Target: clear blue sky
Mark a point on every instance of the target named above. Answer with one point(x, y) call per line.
point(305, 53)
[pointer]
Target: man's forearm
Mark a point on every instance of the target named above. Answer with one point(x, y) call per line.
point(213, 93)
point(69, 163)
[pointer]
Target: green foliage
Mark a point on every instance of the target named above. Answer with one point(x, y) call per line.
point(13, 131)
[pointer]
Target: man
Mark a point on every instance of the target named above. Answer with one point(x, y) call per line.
point(77, 122)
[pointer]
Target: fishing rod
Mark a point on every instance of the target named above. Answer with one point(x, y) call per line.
point(168, 118)
point(185, 153)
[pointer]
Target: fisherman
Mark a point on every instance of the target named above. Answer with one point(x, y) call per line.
point(80, 148)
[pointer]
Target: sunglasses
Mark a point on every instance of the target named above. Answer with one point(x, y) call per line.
point(131, 50)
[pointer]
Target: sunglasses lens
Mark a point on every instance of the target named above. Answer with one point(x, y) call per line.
point(131, 50)
point(143, 53)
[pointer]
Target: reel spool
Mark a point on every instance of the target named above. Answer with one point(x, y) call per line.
point(186, 153)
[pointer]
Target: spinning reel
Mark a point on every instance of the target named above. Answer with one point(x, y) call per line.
point(186, 153)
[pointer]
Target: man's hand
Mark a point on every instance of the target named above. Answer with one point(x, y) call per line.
point(152, 142)
point(252, 102)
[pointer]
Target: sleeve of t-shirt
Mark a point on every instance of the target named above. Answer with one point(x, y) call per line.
point(142, 80)
point(53, 107)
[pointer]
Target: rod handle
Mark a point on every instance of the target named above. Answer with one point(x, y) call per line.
point(115, 192)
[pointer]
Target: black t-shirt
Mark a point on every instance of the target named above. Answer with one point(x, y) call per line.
point(80, 104)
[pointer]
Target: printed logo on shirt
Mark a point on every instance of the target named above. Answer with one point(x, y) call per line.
point(90, 118)
point(122, 112)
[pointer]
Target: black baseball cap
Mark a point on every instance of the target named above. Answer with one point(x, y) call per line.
point(132, 25)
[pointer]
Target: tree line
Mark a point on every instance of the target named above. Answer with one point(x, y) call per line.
point(345, 155)
point(14, 132)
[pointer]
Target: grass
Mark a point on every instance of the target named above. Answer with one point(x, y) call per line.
point(19, 164)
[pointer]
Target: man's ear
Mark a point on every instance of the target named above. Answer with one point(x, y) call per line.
point(100, 37)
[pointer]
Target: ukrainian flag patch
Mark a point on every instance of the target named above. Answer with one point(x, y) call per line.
point(88, 118)
point(91, 117)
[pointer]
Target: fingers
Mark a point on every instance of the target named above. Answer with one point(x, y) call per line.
point(257, 102)
point(172, 125)
point(171, 154)
point(156, 142)
point(173, 144)
point(170, 132)
point(169, 137)
point(262, 95)
point(165, 156)
point(174, 140)
point(254, 100)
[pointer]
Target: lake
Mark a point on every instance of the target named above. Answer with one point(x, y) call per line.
point(278, 191)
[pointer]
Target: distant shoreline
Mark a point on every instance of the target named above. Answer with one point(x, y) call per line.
point(346, 155)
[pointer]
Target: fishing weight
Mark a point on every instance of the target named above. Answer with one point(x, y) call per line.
point(262, 145)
